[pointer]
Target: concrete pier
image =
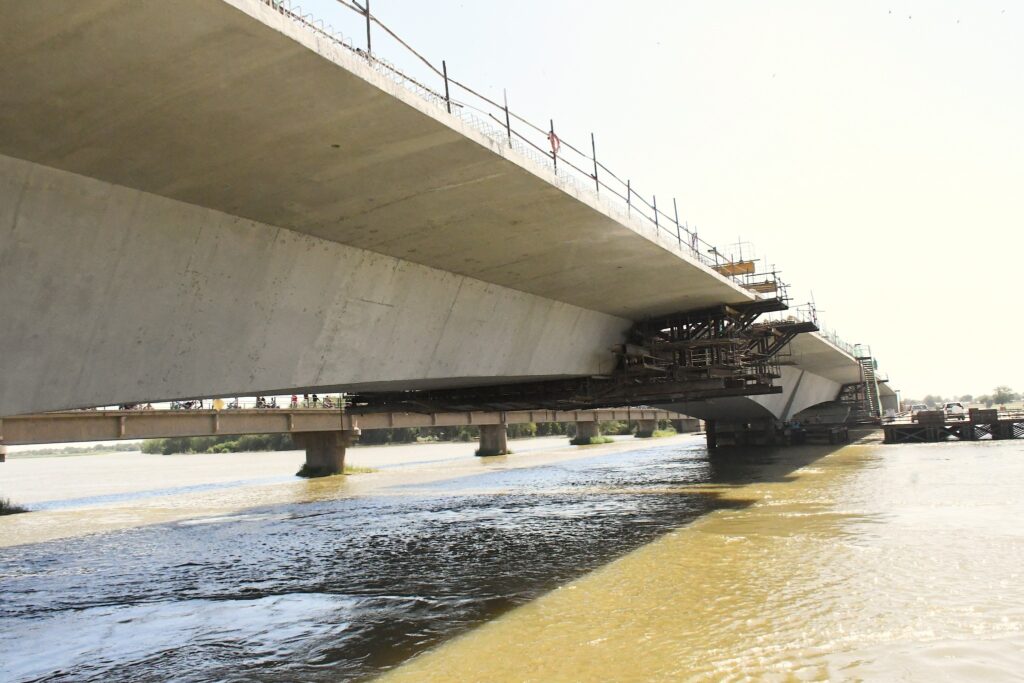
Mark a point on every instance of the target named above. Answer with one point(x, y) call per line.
point(493, 440)
point(760, 432)
point(585, 431)
point(325, 451)
point(645, 428)
point(686, 425)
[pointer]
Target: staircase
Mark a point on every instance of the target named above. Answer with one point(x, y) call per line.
point(871, 406)
point(872, 402)
point(863, 398)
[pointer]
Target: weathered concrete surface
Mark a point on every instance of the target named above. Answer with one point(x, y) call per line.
point(585, 431)
point(645, 428)
point(113, 295)
point(325, 451)
point(802, 389)
point(493, 440)
point(230, 106)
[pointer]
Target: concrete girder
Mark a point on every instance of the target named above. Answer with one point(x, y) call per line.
point(112, 295)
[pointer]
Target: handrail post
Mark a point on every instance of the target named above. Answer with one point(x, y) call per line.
point(369, 51)
point(593, 152)
point(508, 121)
point(629, 193)
point(447, 97)
point(656, 211)
point(679, 235)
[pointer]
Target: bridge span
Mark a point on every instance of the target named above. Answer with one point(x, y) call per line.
point(214, 198)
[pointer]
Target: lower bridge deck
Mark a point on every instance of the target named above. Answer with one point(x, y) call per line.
point(104, 425)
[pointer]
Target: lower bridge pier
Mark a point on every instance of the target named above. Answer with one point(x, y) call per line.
point(760, 432)
point(645, 428)
point(493, 440)
point(586, 432)
point(325, 451)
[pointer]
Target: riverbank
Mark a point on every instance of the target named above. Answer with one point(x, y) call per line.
point(124, 490)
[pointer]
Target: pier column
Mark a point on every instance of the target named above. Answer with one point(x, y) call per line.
point(493, 440)
point(585, 431)
point(645, 428)
point(686, 425)
point(325, 451)
point(711, 433)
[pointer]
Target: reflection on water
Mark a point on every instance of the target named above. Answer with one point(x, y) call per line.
point(665, 564)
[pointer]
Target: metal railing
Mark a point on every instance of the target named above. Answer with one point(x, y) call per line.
point(571, 164)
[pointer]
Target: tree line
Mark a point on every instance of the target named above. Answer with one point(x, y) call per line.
point(1001, 395)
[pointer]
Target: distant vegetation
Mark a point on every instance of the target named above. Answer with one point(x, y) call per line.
point(219, 444)
point(8, 508)
point(78, 450)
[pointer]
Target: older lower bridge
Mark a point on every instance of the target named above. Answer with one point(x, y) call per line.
point(323, 433)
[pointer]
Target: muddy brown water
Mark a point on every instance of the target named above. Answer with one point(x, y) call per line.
point(659, 562)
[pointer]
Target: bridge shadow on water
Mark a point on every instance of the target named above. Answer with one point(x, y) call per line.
point(342, 589)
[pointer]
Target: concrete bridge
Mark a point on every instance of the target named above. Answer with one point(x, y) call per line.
point(212, 198)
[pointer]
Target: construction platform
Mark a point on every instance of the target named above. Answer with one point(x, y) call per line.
point(934, 426)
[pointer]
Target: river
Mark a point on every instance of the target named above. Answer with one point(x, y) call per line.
point(634, 561)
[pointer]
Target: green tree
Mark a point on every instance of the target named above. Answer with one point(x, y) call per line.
point(1004, 394)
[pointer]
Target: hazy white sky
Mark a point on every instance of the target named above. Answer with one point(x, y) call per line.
point(873, 150)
